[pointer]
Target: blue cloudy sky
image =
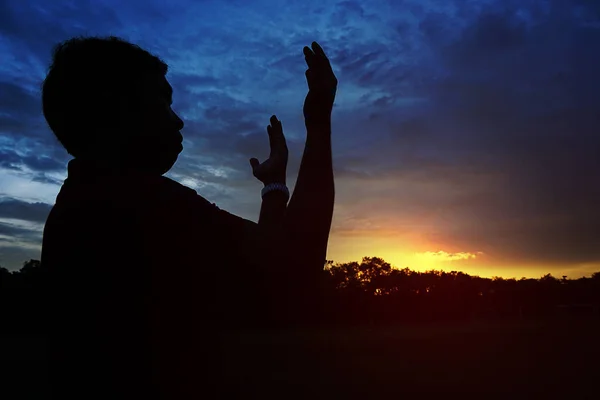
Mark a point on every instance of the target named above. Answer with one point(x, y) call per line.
point(466, 133)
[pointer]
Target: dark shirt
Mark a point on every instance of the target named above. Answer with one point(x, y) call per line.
point(144, 275)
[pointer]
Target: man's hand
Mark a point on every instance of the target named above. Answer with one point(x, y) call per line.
point(273, 170)
point(322, 86)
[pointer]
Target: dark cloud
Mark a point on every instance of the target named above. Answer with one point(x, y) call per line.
point(435, 27)
point(490, 39)
point(17, 101)
point(19, 234)
point(522, 102)
point(188, 81)
point(36, 27)
point(509, 228)
point(10, 160)
point(21, 116)
point(18, 209)
point(41, 177)
point(14, 160)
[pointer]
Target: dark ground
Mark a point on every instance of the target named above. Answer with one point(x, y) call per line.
point(493, 360)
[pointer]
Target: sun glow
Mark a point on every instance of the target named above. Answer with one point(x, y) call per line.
point(411, 252)
point(446, 256)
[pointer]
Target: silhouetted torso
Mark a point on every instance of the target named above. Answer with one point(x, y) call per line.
point(142, 275)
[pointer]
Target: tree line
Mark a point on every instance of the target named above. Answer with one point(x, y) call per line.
point(372, 291)
point(369, 292)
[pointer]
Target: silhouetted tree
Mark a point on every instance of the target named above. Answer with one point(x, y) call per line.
point(366, 292)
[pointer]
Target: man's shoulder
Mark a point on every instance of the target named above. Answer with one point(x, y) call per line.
point(178, 192)
point(194, 208)
point(174, 187)
point(150, 203)
point(130, 196)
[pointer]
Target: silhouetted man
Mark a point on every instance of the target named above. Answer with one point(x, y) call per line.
point(144, 272)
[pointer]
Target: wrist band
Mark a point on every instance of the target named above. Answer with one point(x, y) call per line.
point(275, 186)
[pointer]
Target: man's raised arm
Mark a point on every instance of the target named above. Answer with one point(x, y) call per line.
point(310, 210)
point(298, 234)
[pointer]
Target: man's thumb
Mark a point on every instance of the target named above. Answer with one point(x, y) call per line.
point(254, 163)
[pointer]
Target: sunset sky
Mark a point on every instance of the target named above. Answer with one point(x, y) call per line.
point(466, 133)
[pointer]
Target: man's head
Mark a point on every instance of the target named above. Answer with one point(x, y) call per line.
point(108, 100)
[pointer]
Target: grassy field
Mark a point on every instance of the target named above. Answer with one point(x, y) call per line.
point(501, 360)
point(524, 360)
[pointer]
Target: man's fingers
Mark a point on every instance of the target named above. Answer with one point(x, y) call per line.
point(309, 56)
point(318, 49)
point(271, 138)
point(276, 129)
point(278, 157)
point(315, 57)
point(308, 52)
point(317, 61)
point(309, 75)
point(276, 138)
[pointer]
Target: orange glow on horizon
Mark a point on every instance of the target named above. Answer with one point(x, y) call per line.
point(401, 252)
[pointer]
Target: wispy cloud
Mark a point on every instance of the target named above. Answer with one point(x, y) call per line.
point(447, 257)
